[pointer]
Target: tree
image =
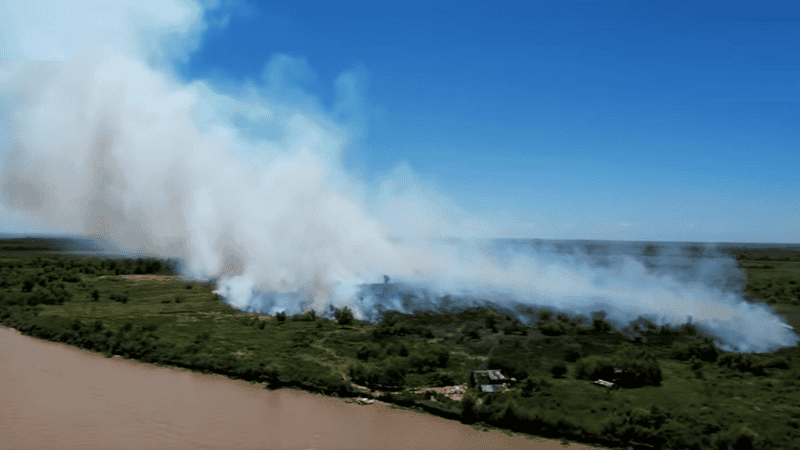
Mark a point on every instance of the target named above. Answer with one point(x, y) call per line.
point(469, 406)
point(344, 316)
point(95, 295)
point(491, 322)
point(639, 367)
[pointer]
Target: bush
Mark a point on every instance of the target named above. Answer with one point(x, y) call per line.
point(428, 358)
point(469, 407)
point(777, 362)
point(122, 298)
point(490, 322)
point(390, 319)
point(572, 355)
point(514, 362)
point(367, 351)
point(742, 363)
point(391, 375)
point(639, 367)
point(594, 368)
point(705, 350)
point(531, 385)
point(281, 317)
point(309, 316)
point(559, 369)
point(741, 439)
point(553, 329)
point(95, 295)
point(472, 333)
point(600, 326)
point(28, 284)
point(344, 316)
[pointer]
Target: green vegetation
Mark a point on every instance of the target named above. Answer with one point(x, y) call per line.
point(678, 390)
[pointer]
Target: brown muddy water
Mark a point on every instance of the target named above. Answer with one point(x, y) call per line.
point(56, 396)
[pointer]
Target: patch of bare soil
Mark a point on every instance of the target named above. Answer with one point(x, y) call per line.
point(454, 392)
point(147, 277)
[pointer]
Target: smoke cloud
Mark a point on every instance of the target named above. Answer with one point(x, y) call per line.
point(100, 137)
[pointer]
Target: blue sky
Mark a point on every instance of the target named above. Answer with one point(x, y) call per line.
point(629, 120)
point(618, 120)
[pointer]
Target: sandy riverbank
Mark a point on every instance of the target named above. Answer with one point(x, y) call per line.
point(56, 396)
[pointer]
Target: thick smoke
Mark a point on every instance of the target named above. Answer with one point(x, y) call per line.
point(101, 138)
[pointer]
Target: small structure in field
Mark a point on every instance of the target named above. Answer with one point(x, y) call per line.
point(606, 384)
point(490, 380)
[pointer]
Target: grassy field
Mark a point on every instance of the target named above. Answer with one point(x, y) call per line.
point(680, 392)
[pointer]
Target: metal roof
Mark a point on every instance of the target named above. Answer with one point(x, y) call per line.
point(492, 388)
point(494, 375)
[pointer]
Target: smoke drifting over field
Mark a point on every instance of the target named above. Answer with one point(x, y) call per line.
point(101, 138)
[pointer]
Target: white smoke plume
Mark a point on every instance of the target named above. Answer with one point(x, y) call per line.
point(100, 137)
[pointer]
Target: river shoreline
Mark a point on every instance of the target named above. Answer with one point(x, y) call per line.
point(62, 396)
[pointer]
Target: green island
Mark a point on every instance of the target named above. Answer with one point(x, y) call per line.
point(677, 390)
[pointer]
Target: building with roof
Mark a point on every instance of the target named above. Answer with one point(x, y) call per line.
point(490, 380)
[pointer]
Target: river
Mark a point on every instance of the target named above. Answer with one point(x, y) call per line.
point(56, 396)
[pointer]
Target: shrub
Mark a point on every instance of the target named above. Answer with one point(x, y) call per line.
point(777, 362)
point(600, 326)
point(309, 316)
point(344, 316)
point(490, 322)
point(514, 362)
point(553, 329)
point(71, 277)
point(741, 439)
point(390, 319)
point(529, 386)
point(281, 317)
point(367, 351)
point(469, 407)
point(705, 350)
point(472, 332)
point(179, 298)
point(559, 369)
point(572, 355)
point(639, 367)
point(96, 326)
point(593, 368)
point(514, 328)
point(545, 315)
point(742, 363)
point(95, 295)
point(428, 358)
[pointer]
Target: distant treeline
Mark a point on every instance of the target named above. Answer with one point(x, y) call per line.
point(769, 254)
point(42, 279)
